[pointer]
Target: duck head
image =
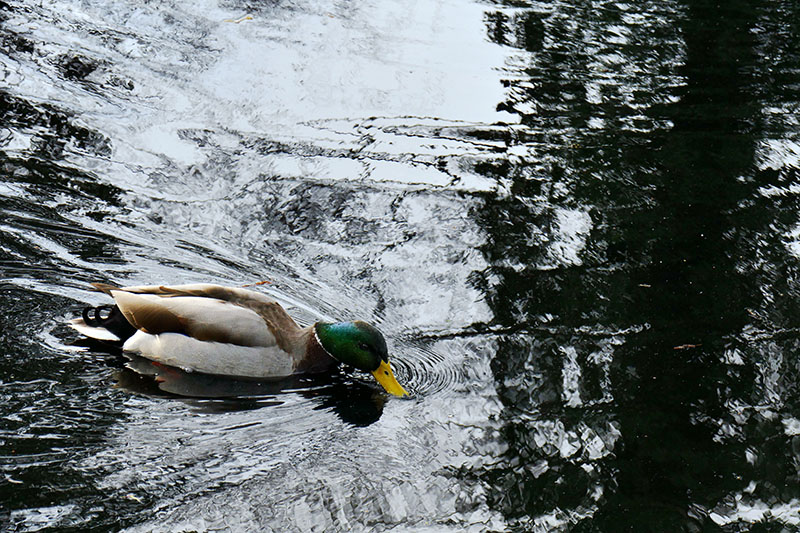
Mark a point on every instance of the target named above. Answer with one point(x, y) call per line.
point(361, 346)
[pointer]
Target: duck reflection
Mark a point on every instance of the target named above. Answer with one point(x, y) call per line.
point(353, 401)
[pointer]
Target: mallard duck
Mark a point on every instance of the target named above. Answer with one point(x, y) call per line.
point(231, 331)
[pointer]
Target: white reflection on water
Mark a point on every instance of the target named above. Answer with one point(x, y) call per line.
point(292, 467)
point(327, 150)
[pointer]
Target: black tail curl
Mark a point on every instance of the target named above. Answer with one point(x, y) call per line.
point(110, 318)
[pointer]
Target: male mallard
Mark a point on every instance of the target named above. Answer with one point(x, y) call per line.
point(230, 331)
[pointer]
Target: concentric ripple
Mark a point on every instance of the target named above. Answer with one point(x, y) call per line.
point(424, 371)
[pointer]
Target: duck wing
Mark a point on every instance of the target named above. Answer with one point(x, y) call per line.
point(211, 329)
point(285, 330)
point(203, 319)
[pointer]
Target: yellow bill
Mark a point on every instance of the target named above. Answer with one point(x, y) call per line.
point(386, 378)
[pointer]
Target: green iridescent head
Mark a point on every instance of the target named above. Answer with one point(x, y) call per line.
point(361, 346)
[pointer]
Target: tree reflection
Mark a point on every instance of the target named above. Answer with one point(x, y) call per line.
point(631, 387)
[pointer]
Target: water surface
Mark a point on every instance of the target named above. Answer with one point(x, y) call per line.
point(575, 222)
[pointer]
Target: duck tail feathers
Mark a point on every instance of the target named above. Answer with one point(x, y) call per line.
point(105, 323)
point(105, 288)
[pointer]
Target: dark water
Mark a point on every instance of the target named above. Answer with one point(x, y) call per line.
point(578, 223)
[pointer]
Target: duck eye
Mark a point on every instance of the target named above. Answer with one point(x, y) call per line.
point(363, 346)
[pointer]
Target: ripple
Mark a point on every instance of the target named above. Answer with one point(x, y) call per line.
point(350, 201)
point(423, 371)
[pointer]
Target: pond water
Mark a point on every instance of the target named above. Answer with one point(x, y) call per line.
point(577, 223)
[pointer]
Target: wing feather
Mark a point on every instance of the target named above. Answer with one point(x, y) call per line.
point(280, 325)
point(204, 319)
point(147, 314)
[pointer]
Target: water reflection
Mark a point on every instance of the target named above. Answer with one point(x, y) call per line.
point(235, 153)
point(354, 402)
point(577, 223)
point(621, 390)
